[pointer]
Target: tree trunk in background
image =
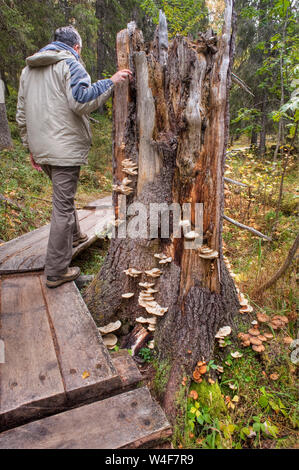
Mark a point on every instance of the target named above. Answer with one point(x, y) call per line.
point(5, 137)
point(253, 141)
point(101, 6)
point(172, 121)
point(262, 146)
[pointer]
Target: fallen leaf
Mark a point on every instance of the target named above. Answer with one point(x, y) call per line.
point(236, 399)
point(85, 375)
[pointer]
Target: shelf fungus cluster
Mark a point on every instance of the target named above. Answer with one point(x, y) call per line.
point(132, 272)
point(107, 332)
point(208, 253)
point(129, 167)
point(244, 304)
point(146, 298)
point(245, 307)
point(154, 273)
point(163, 259)
point(221, 334)
point(124, 187)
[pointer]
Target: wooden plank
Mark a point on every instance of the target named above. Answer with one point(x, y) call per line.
point(104, 202)
point(30, 378)
point(27, 253)
point(80, 348)
point(126, 368)
point(129, 420)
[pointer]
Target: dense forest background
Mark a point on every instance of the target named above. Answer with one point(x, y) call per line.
point(264, 111)
point(266, 48)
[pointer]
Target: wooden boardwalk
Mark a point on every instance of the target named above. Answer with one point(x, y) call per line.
point(27, 253)
point(59, 385)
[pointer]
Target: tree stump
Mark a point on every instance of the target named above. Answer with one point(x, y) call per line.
point(172, 122)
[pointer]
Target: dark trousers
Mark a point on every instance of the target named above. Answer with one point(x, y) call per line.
point(64, 223)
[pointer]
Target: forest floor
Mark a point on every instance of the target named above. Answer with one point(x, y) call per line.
point(254, 403)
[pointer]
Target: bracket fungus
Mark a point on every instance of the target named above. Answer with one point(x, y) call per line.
point(128, 295)
point(246, 309)
point(191, 235)
point(155, 272)
point(113, 326)
point(146, 285)
point(208, 253)
point(166, 260)
point(141, 320)
point(160, 256)
point(223, 332)
point(126, 190)
point(129, 167)
point(110, 341)
point(132, 272)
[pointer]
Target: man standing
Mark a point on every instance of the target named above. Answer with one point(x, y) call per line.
point(55, 98)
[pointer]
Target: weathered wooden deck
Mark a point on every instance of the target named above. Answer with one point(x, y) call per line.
point(27, 253)
point(59, 386)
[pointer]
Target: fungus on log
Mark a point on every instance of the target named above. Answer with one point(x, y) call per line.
point(171, 121)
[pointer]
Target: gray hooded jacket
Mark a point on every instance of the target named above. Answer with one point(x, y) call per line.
point(55, 98)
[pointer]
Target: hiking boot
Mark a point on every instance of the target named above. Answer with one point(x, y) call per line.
point(83, 238)
point(70, 275)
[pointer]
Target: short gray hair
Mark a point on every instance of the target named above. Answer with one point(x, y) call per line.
point(68, 35)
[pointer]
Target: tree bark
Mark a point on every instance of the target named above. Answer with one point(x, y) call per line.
point(5, 136)
point(172, 121)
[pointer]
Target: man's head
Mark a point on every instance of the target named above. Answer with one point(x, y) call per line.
point(70, 36)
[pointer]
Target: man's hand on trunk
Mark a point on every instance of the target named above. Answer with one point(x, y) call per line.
point(121, 76)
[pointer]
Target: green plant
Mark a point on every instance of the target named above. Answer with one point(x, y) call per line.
point(146, 354)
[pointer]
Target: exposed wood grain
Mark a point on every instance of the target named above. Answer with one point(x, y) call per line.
point(126, 369)
point(30, 377)
point(128, 420)
point(80, 347)
point(149, 162)
point(50, 342)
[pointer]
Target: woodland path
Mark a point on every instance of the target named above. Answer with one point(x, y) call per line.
point(59, 386)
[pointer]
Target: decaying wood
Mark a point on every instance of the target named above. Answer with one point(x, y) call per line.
point(238, 183)
point(136, 340)
point(282, 270)
point(172, 121)
point(241, 84)
point(246, 227)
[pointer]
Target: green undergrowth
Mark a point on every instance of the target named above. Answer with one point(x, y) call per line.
point(91, 260)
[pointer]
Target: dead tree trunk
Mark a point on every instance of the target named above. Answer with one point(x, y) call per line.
point(5, 137)
point(172, 121)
